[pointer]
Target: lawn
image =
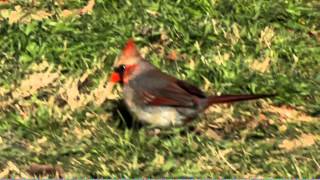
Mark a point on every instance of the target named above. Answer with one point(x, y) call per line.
point(57, 113)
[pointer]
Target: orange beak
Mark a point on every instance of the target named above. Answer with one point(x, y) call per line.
point(115, 77)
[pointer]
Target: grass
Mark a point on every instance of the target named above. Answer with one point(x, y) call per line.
point(49, 116)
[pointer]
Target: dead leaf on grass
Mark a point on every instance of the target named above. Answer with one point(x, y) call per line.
point(76, 12)
point(225, 110)
point(266, 37)
point(212, 135)
point(290, 114)
point(25, 15)
point(173, 55)
point(33, 83)
point(71, 94)
point(234, 36)
point(88, 8)
point(16, 14)
point(103, 92)
point(11, 170)
point(81, 133)
point(305, 140)
point(6, 103)
point(44, 65)
point(261, 65)
point(40, 15)
point(221, 59)
point(67, 13)
point(253, 124)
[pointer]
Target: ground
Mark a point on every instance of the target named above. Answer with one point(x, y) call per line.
point(57, 112)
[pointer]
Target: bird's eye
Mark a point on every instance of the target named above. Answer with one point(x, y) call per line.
point(120, 69)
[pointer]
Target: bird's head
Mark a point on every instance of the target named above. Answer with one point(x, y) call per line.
point(127, 63)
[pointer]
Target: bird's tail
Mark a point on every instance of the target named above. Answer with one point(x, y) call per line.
point(235, 98)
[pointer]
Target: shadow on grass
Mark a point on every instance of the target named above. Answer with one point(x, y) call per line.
point(126, 120)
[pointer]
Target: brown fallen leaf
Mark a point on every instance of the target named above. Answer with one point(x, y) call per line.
point(88, 8)
point(289, 114)
point(76, 12)
point(33, 83)
point(81, 133)
point(39, 67)
point(12, 170)
point(261, 65)
point(212, 135)
point(71, 94)
point(305, 140)
point(40, 15)
point(235, 34)
point(16, 15)
point(173, 55)
point(221, 59)
point(24, 16)
point(103, 92)
point(266, 37)
point(67, 13)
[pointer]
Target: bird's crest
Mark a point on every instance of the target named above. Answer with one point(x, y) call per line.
point(130, 49)
point(129, 54)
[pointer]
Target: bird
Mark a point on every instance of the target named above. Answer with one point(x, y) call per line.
point(160, 99)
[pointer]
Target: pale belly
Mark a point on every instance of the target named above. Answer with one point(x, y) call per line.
point(157, 116)
point(160, 116)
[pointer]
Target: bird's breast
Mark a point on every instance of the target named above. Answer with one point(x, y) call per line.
point(161, 116)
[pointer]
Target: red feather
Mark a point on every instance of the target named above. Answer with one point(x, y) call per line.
point(130, 48)
point(115, 77)
point(158, 101)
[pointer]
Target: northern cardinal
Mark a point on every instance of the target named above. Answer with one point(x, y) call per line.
point(158, 98)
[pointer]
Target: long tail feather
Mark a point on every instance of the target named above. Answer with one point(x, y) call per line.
point(234, 98)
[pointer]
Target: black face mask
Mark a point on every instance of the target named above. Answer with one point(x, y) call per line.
point(120, 70)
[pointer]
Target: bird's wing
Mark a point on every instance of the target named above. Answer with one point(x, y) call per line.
point(156, 88)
